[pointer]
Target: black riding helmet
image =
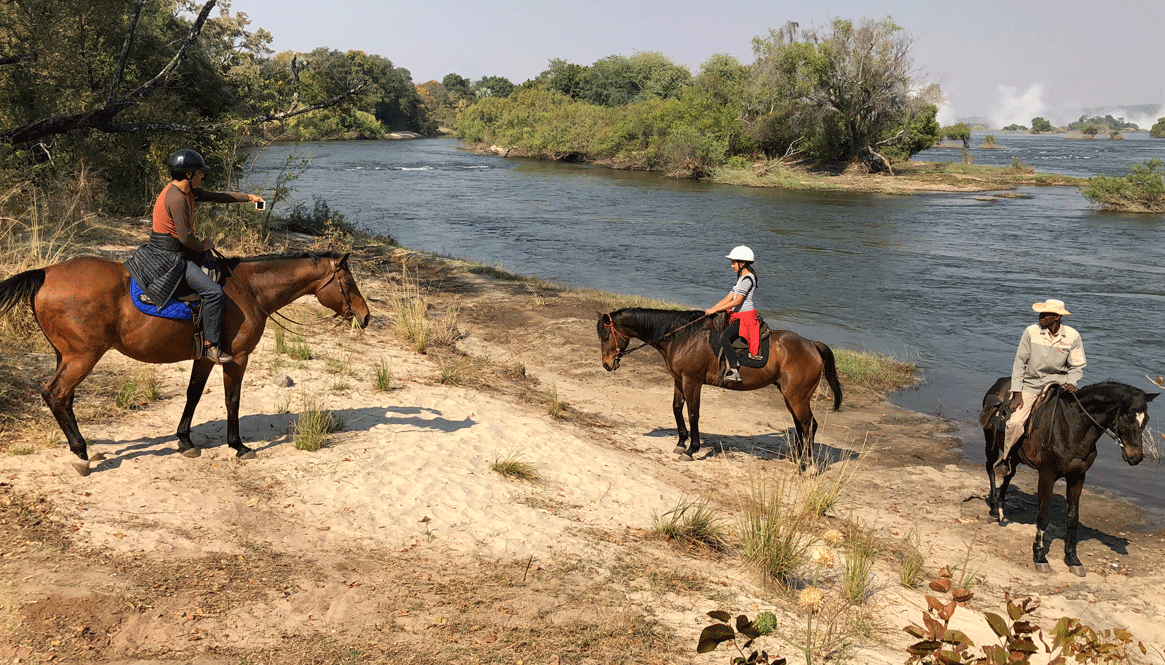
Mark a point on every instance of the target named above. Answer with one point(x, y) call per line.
point(185, 160)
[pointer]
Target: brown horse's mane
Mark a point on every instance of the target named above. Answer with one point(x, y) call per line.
point(233, 262)
point(655, 323)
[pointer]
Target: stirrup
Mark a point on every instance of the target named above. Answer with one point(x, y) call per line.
point(732, 374)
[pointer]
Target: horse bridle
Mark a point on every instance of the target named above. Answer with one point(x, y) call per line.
point(1105, 430)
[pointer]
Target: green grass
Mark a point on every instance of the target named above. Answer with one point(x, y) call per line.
point(692, 522)
point(879, 372)
point(774, 529)
point(861, 550)
point(554, 406)
point(314, 427)
point(513, 467)
point(383, 380)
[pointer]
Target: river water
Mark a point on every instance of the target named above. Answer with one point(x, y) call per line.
point(944, 280)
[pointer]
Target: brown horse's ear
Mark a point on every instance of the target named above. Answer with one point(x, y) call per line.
point(344, 261)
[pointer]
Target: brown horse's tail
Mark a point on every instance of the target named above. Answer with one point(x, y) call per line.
point(20, 288)
point(830, 372)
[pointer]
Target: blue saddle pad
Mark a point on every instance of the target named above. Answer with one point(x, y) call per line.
point(175, 309)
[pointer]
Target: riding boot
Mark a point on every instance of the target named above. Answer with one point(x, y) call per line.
point(217, 355)
point(732, 373)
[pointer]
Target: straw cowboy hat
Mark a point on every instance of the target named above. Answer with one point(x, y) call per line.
point(1053, 306)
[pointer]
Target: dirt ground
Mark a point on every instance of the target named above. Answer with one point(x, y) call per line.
point(302, 557)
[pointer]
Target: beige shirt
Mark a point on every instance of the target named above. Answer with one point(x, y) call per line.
point(1044, 358)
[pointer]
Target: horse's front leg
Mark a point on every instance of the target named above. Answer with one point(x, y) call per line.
point(677, 407)
point(232, 378)
point(1075, 486)
point(692, 395)
point(994, 499)
point(1041, 543)
point(198, 376)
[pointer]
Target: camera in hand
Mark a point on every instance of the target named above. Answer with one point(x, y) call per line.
point(260, 205)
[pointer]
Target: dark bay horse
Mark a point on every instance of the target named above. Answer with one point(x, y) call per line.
point(83, 307)
point(1062, 444)
point(795, 365)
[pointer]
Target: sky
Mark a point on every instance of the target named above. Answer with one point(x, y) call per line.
point(1006, 62)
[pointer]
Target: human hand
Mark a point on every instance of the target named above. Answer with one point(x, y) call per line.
point(254, 198)
point(710, 311)
point(1070, 387)
point(207, 245)
point(1017, 401)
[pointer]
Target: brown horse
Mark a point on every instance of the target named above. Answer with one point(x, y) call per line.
point(795, 365)
point(84, 308)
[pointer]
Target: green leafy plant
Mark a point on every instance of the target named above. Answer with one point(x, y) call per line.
point(726, 630)
point(1142, 190)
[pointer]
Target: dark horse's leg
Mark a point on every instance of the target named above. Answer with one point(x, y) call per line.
point(1075, 486)
point(692, 388)
point(198, 376)
point(58, 394)
point(233, 383)
point(677, 407)
point(995, 499)
point(1041, 544)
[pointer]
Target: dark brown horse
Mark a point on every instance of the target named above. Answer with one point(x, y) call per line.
point(83, 306)
point(1062, 444)
point(795, 365)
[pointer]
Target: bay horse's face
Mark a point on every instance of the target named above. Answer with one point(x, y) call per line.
point(341, 295)
point(1130, 428)
point(611, 341)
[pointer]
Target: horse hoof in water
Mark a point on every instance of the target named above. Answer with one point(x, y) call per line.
point(250, 454)
point(192, 452)
point(1078, 571)
point(680, 450)
point(81, 466)
point(1043, 568)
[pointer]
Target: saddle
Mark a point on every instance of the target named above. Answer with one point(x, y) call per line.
point(996, 411)
point(185, 305)
point(739, 345)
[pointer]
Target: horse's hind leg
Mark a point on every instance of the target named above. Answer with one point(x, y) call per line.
point(58, 394)
point(677, 407)
point(994, 499)
point(1075, 484)
point(198, 376)
point(806, 430)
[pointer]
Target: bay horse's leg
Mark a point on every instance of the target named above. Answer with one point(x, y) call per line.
point(1072, 493)
point(198, 376)
point(1041, 544)
point(806, 428)
point(232, 379)
point(677, 407)
point(58, 394)
point(692, 387)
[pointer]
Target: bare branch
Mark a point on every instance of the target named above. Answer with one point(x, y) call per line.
point(133, 26)
point(283, 115)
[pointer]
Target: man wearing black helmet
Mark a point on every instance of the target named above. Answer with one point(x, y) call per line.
point(175, 253)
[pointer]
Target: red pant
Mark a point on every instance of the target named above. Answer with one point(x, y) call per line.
point(749, 329)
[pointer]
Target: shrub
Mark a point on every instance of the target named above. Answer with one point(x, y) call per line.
point(691, 522)
point(1142, 190)
point(315, 424)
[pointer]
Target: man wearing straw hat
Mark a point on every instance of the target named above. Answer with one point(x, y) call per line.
point(1049, 352)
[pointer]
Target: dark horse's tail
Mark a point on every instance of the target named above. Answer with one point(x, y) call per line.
point(20, 288)
point(830, 372)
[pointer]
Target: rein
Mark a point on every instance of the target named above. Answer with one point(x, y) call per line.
point(344, 316)
point(619, 337)
point(1102, 428)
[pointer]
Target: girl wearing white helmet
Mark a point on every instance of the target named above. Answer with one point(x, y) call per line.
point(742, 320)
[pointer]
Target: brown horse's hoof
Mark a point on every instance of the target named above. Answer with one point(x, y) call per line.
point(97, 457)
point(684, 457)
point(1043, 568)
point(680, 450)
point(250, 454)
point(1078, 571)
point(192, 452)
point(81, 466)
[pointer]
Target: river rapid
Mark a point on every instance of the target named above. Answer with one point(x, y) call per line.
point(944, 280)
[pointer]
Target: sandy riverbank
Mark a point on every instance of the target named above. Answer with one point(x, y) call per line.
point(398, 543)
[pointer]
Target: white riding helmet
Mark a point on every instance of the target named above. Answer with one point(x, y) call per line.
point(741, 253)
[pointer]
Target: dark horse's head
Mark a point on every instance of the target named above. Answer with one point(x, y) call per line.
point(611, 341)
point(1125, 411)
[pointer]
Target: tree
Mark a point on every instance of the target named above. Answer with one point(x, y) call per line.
point(493, 86)
point(564, 77)
point(1158, 129)
point(457, 85)
point(1090, 130)
point(1041, 125)
point(839, 93)
point(959, 132)
point(619, 80)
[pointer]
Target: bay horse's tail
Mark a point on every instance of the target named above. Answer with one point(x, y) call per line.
point(20, 288)
point(830, 372)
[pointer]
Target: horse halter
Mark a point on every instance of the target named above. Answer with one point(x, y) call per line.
point(347, 311)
